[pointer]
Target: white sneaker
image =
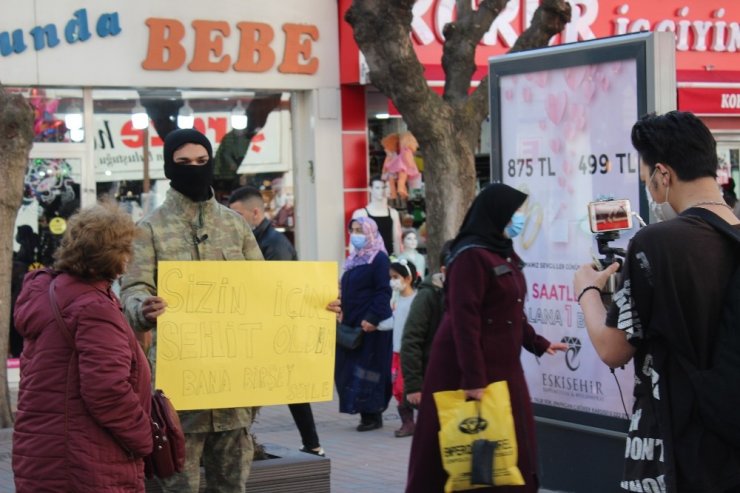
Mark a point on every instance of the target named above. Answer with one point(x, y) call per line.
point(320, 451)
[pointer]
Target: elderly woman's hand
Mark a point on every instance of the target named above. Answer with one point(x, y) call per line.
point(367, 326)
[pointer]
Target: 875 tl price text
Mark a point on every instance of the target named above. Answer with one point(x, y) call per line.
point(592, 163)
point(529, 166)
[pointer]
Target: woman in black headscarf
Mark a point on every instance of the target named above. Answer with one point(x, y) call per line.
point(481, 335)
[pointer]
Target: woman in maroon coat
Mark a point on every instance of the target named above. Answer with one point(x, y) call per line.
point(481, 335)
point(83, 422)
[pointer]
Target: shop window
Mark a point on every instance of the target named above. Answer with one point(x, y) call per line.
point(129, 161)
point(58, 113)
point(51, 195)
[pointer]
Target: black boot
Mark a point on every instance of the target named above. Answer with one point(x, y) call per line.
point(407, 421)
point(370, 421)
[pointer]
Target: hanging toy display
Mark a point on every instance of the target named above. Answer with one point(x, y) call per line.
point(46, 126)
point(50, 183)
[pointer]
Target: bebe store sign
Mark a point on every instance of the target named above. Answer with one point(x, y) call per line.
point(222, 43)
point(707, 31)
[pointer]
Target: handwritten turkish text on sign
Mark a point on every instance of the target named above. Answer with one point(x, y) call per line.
point(239, 334)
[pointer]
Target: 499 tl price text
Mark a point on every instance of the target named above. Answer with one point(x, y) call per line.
point(592, 163)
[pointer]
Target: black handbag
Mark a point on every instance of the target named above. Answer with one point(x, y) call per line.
point(349, 337)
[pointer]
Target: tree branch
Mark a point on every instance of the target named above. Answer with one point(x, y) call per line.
point(548, 20)
point(461, 41)
point(382, 30)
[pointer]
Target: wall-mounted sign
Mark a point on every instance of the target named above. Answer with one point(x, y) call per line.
point(709, 101)
point(255, 49)
point(287, 45)
point(75, 30)
point(707, 31)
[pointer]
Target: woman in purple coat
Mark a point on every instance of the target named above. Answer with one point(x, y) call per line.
point(481, 335)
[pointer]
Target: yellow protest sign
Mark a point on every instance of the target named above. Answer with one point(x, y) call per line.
point(242, 333)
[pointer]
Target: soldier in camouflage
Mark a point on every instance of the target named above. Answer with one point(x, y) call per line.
point(192, 225)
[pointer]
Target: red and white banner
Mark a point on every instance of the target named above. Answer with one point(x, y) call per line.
point(119, 147)
point(707, 31)
point(709, 100)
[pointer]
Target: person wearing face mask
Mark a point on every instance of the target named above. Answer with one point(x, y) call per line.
point(363, 375)
point(480, 338)
point(410, 253)
point(248, 202)
point(667, 307)
point(403, 281)
point(516, 225)
point(192, 225)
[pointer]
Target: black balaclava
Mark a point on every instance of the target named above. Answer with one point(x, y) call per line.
point(194, 182)
point(486, 219)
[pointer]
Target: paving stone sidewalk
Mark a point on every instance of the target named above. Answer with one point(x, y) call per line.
point(370, 462)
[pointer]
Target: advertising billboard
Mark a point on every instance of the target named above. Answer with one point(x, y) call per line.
point(561, 120)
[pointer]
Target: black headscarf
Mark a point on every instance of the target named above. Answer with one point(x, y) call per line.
point(192, 181)
point(486, 220)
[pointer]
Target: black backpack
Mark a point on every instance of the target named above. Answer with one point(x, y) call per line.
point(717, 388)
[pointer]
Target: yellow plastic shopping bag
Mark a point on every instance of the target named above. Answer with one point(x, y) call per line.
point(462, 422)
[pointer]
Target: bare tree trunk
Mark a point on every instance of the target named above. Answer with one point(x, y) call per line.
point(16, 139)
point(447, 128)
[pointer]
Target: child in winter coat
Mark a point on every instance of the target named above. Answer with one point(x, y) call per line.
point(403, 281)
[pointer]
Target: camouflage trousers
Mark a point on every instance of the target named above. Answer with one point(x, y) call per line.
point(227, 459)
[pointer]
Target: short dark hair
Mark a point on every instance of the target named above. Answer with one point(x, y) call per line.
point(245, 193)
point(678, 139)
point(375, 178)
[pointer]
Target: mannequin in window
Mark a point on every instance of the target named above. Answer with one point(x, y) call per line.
point(407, 148)
point(387, 218)
point(410, 253)
point(394, 171)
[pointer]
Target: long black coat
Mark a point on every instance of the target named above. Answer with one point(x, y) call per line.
point(478, 342)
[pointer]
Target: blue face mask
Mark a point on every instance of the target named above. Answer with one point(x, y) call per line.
point(516, 225)
point(358, 240)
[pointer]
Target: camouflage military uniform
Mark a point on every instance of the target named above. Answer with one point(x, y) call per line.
point(181, 229)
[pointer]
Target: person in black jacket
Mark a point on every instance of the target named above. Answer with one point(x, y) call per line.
point(421, 325)
point(248, 202)
point(667, 309)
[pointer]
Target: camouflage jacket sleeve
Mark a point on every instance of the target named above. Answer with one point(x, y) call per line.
point(139, 281)
point(250, 248)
